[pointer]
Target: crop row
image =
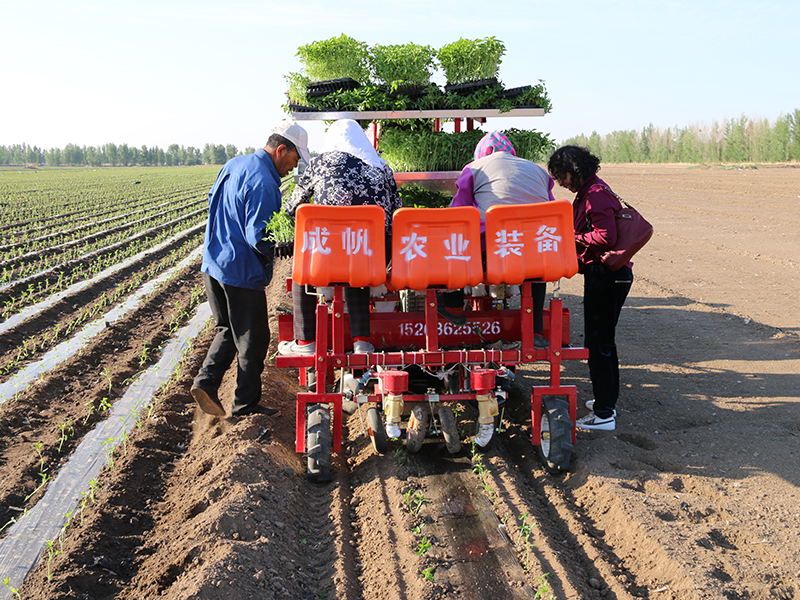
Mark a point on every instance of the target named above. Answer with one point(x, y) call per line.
point(62, 239)
point(38, 343)
point(56, 275)
point(34, 262)
point(34, 228)
point(41, 194)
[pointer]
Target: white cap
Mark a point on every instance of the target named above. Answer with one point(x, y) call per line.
point(295, 134)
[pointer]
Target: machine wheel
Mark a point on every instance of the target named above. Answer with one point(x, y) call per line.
point(318, 443)
point(377, 434)
point(449, 429)
point(416, 429)
point(555, 446)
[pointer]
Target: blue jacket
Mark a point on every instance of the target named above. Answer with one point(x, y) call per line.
point(245, 196)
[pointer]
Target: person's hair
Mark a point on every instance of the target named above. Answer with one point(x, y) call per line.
point(276, 140)
point(575, 160)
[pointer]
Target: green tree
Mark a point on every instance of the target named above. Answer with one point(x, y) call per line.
point(231, 151)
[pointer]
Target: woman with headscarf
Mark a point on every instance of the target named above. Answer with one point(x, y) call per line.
point(348, 172)
point(499, 176)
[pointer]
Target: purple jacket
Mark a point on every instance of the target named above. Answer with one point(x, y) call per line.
point(594, 210)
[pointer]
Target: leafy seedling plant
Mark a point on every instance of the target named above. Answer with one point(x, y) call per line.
point(414, 501)
point(423, 547)
point(471, 60)
point(12, 590)
point(428, 573)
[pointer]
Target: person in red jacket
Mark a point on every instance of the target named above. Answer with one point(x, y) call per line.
point(604, 290)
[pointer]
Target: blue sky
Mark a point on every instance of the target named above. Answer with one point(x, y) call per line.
point(158, 72)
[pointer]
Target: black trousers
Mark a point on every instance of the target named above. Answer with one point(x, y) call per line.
point(604, 293)
point(305, 308)
point(242, 333)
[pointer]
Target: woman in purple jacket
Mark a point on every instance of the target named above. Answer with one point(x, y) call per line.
point(604, 290)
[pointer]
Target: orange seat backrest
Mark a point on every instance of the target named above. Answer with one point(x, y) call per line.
point(436, 247)
point(339, 245)
point(530, 241)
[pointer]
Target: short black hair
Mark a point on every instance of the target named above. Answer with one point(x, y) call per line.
point(575, 160)
point(276, 140)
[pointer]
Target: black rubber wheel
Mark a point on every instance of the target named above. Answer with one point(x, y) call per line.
point(555, 444)
point(318, 443)
point(377, 434)
point(447, 418)
point(416, 429)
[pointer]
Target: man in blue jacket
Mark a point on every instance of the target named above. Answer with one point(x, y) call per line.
point(237, 265)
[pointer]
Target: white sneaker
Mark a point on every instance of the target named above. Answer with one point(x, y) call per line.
point(292, 348)
point(484, 434)
point(592, 421)
point(362, 347)
point(590, 406)
point(393, 430)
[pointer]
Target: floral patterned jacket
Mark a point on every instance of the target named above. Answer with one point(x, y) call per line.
point(339, 178)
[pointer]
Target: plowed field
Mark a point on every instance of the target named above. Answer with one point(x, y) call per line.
point(695, 495)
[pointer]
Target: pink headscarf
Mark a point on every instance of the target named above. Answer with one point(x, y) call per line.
point(494, 142)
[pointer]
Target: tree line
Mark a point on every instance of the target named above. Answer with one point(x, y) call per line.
point(118, 155)
point(740, 140)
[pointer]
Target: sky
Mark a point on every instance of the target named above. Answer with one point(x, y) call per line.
point(162, 72)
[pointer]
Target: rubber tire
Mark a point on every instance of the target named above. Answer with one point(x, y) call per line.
point(318, 443)
point(377, 434)
point(416, 429)
point(447, 418)
point(555, 446)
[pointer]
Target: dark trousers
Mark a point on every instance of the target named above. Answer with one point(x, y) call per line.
point(305, 308)
point(243, 332)
point(604, 293)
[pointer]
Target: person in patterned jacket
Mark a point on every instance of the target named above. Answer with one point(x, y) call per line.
point(348, 172)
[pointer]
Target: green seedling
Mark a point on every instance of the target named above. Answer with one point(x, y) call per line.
point(12, 590)
point(423, 547)
point(44, 477)
point(106, 372)
point(105, 404)
point(428, 573)
point(400, 455)
point(39, 446)
point(525, 533)
point(543, 587)
point(51, 554)
point(414, 501)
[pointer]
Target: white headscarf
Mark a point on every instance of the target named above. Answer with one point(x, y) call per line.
point(345, 135)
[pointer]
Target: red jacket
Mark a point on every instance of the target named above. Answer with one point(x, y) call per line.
point(594, 210)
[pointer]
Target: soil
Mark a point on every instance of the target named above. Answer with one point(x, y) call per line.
point(694, 495)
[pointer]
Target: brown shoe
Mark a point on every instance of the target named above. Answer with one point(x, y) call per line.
point(207, 401)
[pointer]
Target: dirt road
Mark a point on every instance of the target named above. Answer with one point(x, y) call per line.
point(695, 495)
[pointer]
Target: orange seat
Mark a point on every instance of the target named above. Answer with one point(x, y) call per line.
point(436, 247)
point(339, 245)
point(530, 241)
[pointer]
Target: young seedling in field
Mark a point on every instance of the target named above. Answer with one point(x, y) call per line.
point(13, 590)
point(423, 547)
point(428, 573)
point(108, 448)
point(400, 455)
point(543, 588)
point(525, 532)
point(64, 427)
point(105, 404)
point(44, 477)
point(51, 554)
point(414, 501)
point(106, 372)
point(39, 446)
